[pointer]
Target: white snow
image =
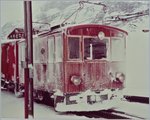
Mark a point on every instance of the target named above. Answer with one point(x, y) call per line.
point(10, 41)
point(136, 109)
point(87, 107)
point(13, 108)
point(58, 93)
point(137, 81)
point(84, 106)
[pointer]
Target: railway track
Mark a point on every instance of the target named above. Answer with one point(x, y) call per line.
point(99, 114)
point(125, 114)
point(137, 99)
point(107, 114)
point(116, 114)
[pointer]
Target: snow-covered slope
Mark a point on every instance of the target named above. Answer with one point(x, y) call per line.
point(55, 12)
point(138, 57)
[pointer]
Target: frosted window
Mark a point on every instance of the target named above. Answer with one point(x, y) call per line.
point(51, 49)
point(73, 44)
point(59, 49)
point(41, 50)
point(95, 48)
point(36, 49)
point(23, 52)
point(118, 50)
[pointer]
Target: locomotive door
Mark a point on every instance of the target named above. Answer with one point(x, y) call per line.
point(51, 66)
point(74, 64)
point(55, 62)
point(9, 61)
point(95, 68)
point(40, 52)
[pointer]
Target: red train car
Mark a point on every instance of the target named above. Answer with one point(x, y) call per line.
point(80, 67)
point(8, 56)
point(9, 66)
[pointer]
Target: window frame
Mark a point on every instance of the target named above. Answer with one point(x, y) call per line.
point(108, 54)
point(52, 36)
point(55, 54)
point(80, 48)
point(22, 51)
point(124, 46)
point(36, 44)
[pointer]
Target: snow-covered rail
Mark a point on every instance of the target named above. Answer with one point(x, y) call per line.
point(99, 114)
point(126, 110)
point(139, 99)
point(125, 114)
point(108, 114)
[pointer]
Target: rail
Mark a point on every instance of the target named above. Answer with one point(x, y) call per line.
point(139, 99)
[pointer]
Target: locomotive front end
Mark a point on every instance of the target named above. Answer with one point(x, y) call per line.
point(94, 68)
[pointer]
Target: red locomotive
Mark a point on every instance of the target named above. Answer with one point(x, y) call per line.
point(80, 67)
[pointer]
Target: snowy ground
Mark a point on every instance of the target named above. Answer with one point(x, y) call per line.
point(137, 60)
point(135, 109)
point(13, 108)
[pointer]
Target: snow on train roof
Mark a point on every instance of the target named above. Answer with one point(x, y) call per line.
point(92, 25)
point(10, 41)
point(69, 26)
point(5, 41)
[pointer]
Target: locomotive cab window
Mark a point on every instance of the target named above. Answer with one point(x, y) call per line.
point(74, 47)
point(51, 49)
point(58, 48)
point(118, 49)
point(95, 48)
point(22, 52)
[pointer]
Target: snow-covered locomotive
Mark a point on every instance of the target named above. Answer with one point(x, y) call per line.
point(80, 67)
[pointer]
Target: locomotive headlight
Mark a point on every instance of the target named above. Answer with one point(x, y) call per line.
point(120, 76)
point(101, 35)
point(76, 80)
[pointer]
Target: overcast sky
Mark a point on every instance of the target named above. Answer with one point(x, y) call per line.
point(12, 10)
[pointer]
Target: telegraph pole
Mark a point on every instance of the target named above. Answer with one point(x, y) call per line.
point(28, 70)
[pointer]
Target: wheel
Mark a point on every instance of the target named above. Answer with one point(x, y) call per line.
point(11, 86)
point(3, 85)
point(20, 92)
point(40, 97)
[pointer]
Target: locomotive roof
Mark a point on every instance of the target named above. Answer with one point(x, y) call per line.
point(10, 41)
point(5, 41)
point(58, 28)
point(96, 25)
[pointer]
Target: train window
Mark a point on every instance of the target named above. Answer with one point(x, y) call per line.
point(58, 49)
point(74, 47)
point(95, 48)
point(51, 49)
point(117, 49)
point(21, 52)
point(19, 35)
point(36, 49)
point(41, 50)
